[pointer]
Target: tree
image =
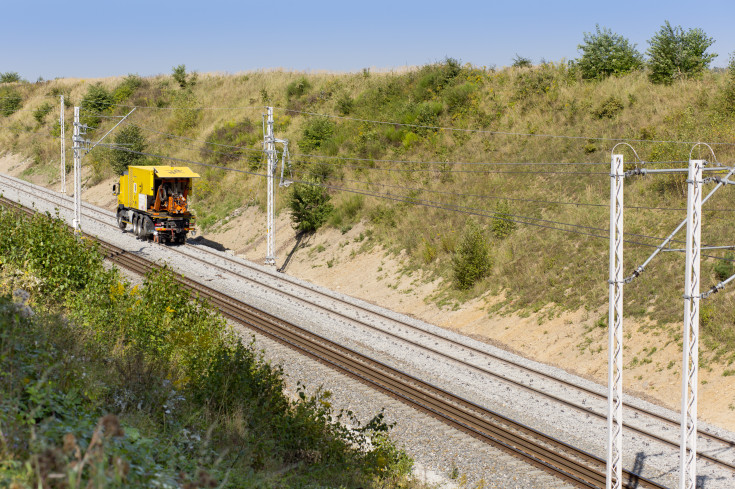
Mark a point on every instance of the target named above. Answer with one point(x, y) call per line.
point(606, 53)
point(471, 260)
point(521, 62)
point(675, 54)
point(179, 75)
point(132, 139)
point(310, 206)
point(9, 77)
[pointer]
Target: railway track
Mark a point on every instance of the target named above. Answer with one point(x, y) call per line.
point(478, 354)
point(566, 462)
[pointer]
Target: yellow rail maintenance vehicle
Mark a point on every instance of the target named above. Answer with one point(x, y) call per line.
point(154, 200)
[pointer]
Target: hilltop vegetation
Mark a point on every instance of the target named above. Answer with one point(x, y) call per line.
point(400, 177)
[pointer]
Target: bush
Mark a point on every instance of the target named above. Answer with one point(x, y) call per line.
point(126, 89)
point(310, 206)
point(725, 268)
point(179, 75)
point(727, 105)
point(129, 137)
point(242, 134)
point(98, 100)
point(609, 108)
point(503, 225)
point(40, 113)
point(297, 88)
point(345, 105)
point(433, 78)
point(317, 131)
point(9, 77)
point(521, 62)
point(605, 53)
point(471, 260)
point(674, 53)
point(10, 102)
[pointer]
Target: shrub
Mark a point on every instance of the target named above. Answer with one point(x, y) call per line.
point(727, 105)
point(471, 261)
point(10, 102)
point(187, 115)
point(521, 62)
point(9, 77)
point(179, 75)
point(126, 89)
point(345, 104)
point(609, 108)
point(241, 134)
point(433, 78)
point(459, 96)
point(310, 206)
point(98, 100)
point(674, 53)
point(129, 137)
point(605, 53)
point(297, 88)
point(724, 268)
point(40, 113)
point(503, 225)
point(317, 131)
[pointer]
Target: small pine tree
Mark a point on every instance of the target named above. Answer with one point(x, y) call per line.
point(129, 138)
point(471, 260)
point(503, 225)
point(310, 206)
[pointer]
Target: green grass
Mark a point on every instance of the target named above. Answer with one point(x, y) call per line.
point(108, 385)
point(533, 265)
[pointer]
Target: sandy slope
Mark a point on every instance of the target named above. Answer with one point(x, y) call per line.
point(341, 262)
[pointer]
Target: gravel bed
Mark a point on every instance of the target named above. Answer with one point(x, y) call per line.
point(435, 447)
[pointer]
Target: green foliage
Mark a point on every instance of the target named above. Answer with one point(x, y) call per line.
point(503, 224)
point(724, 269)
point(131, 138)
point(609, 108)
point(10, 101)
point(606, 53)
point(9, 77)
point(186, 115)
point(521, 62)
point(727, 95)
point(231, 141)
point(471, 261)
point(345, 104)
point(41, 112)
point(180, 76)
point(98, 100)
point(297, 88)
point(675, 54)
point(126, 88)
point(310, 206)
point(433, 78)
point(316, 133)
point(458, 97)
point(193, 400)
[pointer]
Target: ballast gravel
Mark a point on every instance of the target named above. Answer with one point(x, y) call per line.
point(443, 454)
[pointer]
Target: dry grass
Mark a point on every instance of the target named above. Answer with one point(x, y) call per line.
point(534, 266)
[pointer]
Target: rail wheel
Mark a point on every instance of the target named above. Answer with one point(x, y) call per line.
point(120, 222)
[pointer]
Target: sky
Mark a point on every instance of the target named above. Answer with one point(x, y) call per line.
point(52, 39)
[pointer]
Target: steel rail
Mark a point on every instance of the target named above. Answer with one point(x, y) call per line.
point(575, 466)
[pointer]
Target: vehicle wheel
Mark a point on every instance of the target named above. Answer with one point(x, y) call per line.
point(120, 223)
point(136, 226)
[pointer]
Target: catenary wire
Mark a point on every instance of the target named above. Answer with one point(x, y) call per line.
point(485, 131)
point(477, 212)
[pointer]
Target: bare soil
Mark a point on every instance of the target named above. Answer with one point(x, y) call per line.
point(571, 341)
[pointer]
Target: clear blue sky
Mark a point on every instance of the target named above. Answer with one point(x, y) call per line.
point(104, 38)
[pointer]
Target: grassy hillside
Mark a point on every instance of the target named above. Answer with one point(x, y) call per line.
point(501, 118)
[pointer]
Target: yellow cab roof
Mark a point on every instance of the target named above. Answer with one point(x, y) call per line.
point(171, 171)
